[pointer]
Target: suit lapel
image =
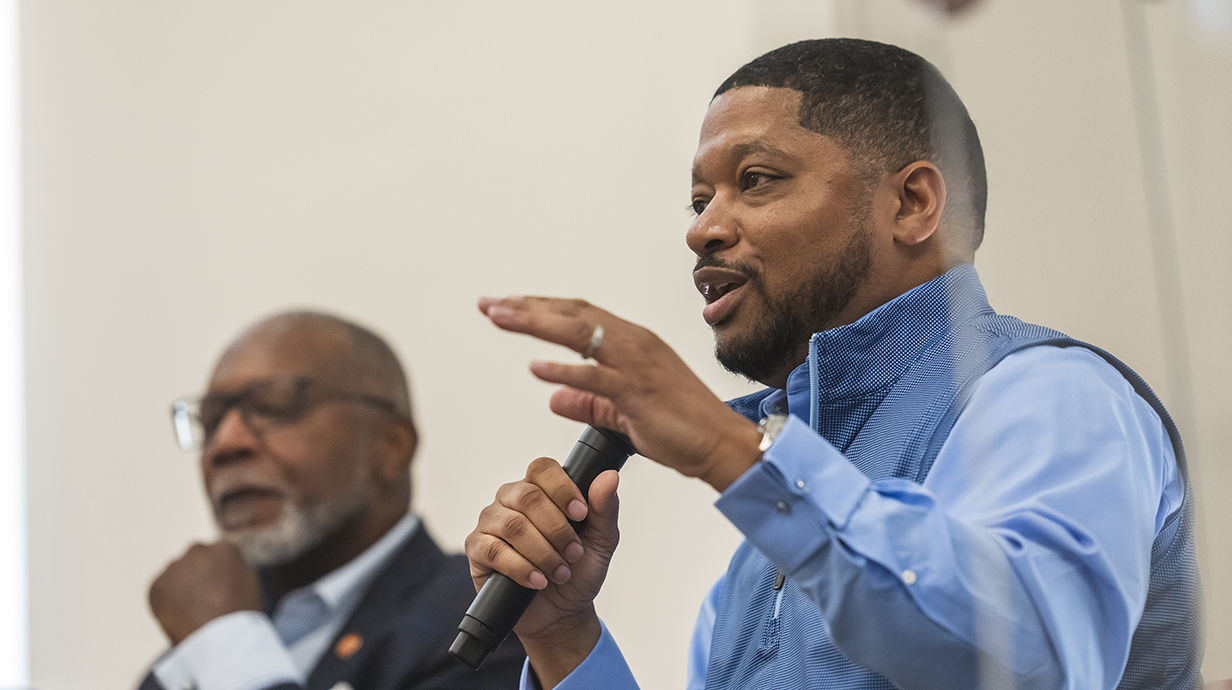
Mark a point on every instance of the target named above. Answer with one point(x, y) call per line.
point(354, 656)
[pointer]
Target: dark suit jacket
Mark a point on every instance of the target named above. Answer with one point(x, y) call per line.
point(406, 622)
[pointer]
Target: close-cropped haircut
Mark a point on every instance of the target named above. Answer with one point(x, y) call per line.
point(887, 107)
point(369, 355)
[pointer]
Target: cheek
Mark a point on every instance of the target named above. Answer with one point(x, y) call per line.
point(798, 249)
point(321, 459)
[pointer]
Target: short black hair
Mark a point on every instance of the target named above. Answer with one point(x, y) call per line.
point(887, 107)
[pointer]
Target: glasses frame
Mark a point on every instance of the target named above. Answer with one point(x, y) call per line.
point(190, 431)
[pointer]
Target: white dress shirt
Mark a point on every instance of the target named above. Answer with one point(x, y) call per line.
point(246, 650)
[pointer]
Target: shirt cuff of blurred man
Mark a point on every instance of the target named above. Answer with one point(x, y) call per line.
point(238, 651)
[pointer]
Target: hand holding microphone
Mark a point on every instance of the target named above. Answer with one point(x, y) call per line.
point(501, 602)
point(636, 384)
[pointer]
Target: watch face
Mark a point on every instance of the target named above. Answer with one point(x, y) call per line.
point(769, 428)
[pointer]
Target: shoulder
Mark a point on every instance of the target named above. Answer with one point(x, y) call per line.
point(1072, 382)
point(1048, 406)
point(1073, 367)
point(1057, 426)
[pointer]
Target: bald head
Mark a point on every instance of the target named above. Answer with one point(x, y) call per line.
point(339, 352)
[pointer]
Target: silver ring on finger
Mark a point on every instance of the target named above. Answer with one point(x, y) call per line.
point(596, 340)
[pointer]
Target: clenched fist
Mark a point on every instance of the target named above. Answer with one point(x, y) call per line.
point(207, 582)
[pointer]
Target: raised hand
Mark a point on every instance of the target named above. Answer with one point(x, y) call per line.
point(638, 385)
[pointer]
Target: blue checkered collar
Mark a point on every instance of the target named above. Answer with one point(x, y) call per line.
point(858, 359)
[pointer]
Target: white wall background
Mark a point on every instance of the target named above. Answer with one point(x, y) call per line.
point(190, 167)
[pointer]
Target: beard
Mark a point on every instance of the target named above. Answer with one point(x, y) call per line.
point(298, 529)
point(790, 319)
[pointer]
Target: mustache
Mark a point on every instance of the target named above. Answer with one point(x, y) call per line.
point(238, 479)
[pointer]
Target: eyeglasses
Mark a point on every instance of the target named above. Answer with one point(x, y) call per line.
point(263, 405)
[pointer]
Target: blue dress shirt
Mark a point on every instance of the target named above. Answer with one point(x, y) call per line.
point(1039, 514)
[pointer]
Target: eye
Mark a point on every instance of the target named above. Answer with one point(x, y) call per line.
point(753, 178)
point(698, 205)
point(277, 401)
point(211, 412)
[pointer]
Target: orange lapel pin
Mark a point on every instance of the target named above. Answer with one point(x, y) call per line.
point(347, 645)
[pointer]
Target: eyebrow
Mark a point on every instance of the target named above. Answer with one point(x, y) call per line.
point(757, 146)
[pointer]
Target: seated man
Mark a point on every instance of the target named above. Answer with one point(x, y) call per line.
point(322, 578)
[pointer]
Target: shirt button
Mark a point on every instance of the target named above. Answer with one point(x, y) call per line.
point(801, 485)
point(784, 507)
point(909, 577)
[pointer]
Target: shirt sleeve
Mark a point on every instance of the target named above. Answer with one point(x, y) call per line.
point(604, 668)
point(1025, 554)
point(238, 651)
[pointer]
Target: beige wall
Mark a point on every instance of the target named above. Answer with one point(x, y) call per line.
point(192, 166)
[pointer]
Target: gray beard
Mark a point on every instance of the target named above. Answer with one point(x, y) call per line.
point(791, 319)
point(297, 531)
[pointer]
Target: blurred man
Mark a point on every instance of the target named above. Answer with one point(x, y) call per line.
point(322, 578)
point(938, 496)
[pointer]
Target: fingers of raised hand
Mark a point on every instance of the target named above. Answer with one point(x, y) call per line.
point(586, 407)
point(568, 322)
point(599, 380)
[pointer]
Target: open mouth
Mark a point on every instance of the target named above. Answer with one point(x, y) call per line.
point(713, 282)
point(720, 288)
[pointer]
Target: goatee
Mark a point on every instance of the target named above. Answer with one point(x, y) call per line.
point(790, 319)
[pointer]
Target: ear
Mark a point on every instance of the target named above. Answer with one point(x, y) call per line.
point(395, 449)
point(921, 199)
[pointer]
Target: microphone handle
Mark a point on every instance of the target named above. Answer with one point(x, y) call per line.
point(500, 603)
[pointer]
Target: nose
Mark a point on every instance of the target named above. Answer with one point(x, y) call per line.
point(232, 439)
point(714, 230)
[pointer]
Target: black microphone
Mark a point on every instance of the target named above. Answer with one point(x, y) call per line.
point(500, 603)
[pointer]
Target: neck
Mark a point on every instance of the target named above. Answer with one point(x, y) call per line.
point(872, 296)
point(336, 550)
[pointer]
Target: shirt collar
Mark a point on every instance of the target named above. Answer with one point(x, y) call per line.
point(348, 582)
point(853, 360)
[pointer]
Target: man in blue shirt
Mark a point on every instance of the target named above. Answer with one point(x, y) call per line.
point(323, 578)
point(955, 499)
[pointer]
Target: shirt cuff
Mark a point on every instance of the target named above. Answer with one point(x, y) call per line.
point(238, 651)
point(802, 483)
point(604, 667)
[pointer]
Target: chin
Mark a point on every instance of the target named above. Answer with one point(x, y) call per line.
point(264, 545)
point(296, 531)
point(728, 333)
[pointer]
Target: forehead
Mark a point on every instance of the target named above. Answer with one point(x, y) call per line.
point(759, 119)
point(273, 350)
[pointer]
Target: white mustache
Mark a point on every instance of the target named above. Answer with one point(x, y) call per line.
point(241, 478)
